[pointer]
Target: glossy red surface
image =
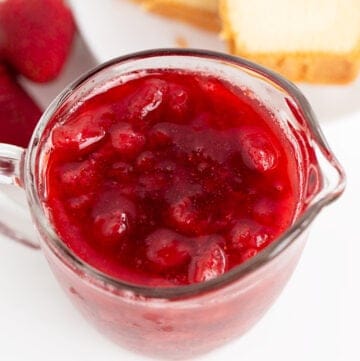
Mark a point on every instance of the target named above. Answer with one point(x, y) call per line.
point(170, 179)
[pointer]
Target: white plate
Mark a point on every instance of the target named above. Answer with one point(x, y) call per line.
point(116, 27)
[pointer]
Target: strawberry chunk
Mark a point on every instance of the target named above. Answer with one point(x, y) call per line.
point(182, 212)
point(248, 234)
point(126, 141)
point(147, 99)
point(257, 150)
point(167, 249)
point(209, 265)
point(82, 134)
point(113, 218)
point(249, 253)
point(141, 106)
point(150, 185)
point(184, 216)
point(145, 161)
point(77, 177)
point(159, 135)
point(81, 202)
point(121, 171)
point(178, 102)
point(264, 211)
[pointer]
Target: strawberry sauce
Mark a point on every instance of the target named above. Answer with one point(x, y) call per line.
point(170, 179)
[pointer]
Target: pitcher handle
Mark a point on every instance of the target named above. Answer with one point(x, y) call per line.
point(12, 200)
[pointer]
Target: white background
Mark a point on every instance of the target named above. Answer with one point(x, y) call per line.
point(316, 317)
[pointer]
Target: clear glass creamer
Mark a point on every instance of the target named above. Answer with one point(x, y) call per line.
point(184, 321)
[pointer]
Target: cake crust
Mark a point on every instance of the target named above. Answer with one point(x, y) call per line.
point(207, 20)
point(310, 67)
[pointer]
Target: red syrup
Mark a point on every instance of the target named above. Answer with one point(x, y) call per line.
point(169, 179)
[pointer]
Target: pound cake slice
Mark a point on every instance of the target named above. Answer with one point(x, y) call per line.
point(202, 13)
point(316, 41)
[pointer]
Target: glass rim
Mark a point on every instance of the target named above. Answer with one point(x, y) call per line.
point(58, 247)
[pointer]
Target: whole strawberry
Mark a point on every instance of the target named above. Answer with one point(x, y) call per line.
point(18, 112)
point(36, 36)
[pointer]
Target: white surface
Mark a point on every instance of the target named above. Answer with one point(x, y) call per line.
point(116, 27)
point(316, 318)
